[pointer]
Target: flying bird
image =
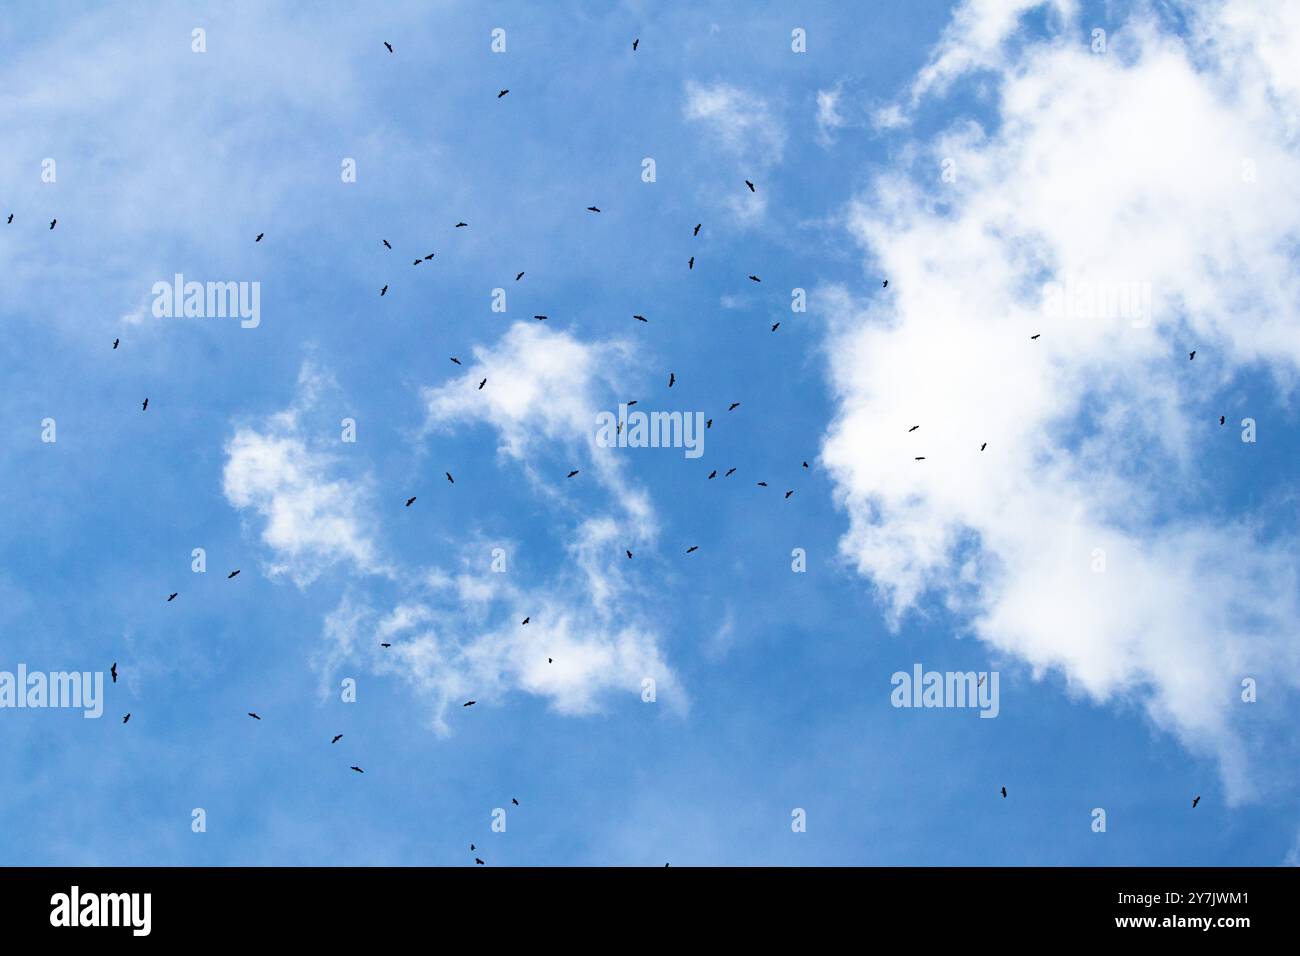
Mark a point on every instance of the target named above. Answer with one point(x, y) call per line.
point(410, 501)
point(540, 318)
point(514, 801)
point(172, 596)
point(145, 406)
point(635, 42)
point(1195, 802)
point(461, 225)
point(478, 861)
point(518, 277)
point(417, 262)
point(690, 263)
point(525, 620)
point(126, 718)
point(1221, 419)
point(572, 473)
point(259, 237)
point(502, 93)
point(456, 360)
point(694, 547)
point(983, 446)
point(337, 738)
point(11, 217)
point(385, 242)
point(697, 229)
point(629, 555)
point(592, 209)
point(383, 290)
point(913, 428)
point(750, 185)
point(232, 574)
point(1004, 789)
point(481, 384)
point(776, 326)
point(729, 473)
point(789, 493)
point(449, 477)
point(389, 45)
point(640, 318)
point(733, 406)
point(713, 474)
point(52, 222)
point(358, 770)
point(113, 671)
point(709, 423)
point(469, 703)
point(1035, 336)
point(762, 484)
point(253, 715)
point(115, 341)
point(672, 377)
point(1191, 355)
point(755, 279)
point(382, 644)
point(920, 458)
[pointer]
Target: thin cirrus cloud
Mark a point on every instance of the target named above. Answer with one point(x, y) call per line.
point(746, 127)
point(1124, 261)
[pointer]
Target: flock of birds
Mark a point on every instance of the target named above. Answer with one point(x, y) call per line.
point(672, 379)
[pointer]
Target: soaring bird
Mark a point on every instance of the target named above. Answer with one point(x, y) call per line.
point(382, 644)
point(479, 862)
point(750, 185)
point(913, 428)
point(1004, 792)
point(358, 770)
point(730, 472)
point(694, 547)
point(1195, 802)
point(145, 406)
point(635, 42)
point(983, 446)
point(52, 222)
point(709, 423)
point(115, 341)
point(733, 406)
point(410, 501)
point(776, 326)
point(449, 477)
point(919, 458)
point(525, 620)
point(572, 473)
point(518, 277)
point(755, 279)
point(690, 263)
point(456, 360)
point(481, 384)
point(385, 242)
point(337, 738)
point(469, 703)
point(126, 718)
point(1191, 355)
point(629, 555)
point(713, 474)
point(253, 715)
point(461, 225)
point(514, 801)
point(697, 229)
point(671, 378)
point(540, 318)
point(640, 318)
point(259, 237)
point(173, 595)
point(389, 45)
point(383, 291)
point(592, 209)
point(113, 671)
point(11, 217)
point(232, 574)
point(789, 493)
point(1035, 336)
point(805, 464)
point(1221, 419)
point(417, 262)
point(762, 484)
point(502, 93)
point(885, 284)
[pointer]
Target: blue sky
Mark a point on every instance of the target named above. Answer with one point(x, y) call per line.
point(1118, 690)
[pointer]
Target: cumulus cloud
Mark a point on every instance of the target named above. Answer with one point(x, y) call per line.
point(1130, 207)
point(311, 518)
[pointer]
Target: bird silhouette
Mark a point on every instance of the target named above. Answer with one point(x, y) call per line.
point(690, 263)
point(382, 644)
point(52, 222)
point(1195, 802)
point(449, 477)
point(1035, 336)
point(983, 446)
point(697, 229)
point(592, 209)
point(919, 458)
point(572, 473)
point(540, 318)
point(694, 547)
point(713, 474)
point(730, 472)
point(410, 501)
point(1004, 789)
point(113, 671)
point(672, 377)
point(385, 242)
point(733, 406)
point(383, 291)
point(479, 862)
point(635, 42)
point(776, 326)
point(640, 318)
point(232, 574)
point(1191, 355)
point(502, 93)
point(629, 555)
point(789, 493)
point(525, 620)
point(389, 45)
point(805, 464)
point(417, 262)
point(885, 285)
point(709, 423)
point(145, 406)
point(456, 360)
point(11, 217)
point(173, 595)
point(115, 341)
point(358, 770)
point(762, 484)
point(337, 738)
point(253, 715)
point(913, 428)
point(259, 237)
point(750, 185)
point(461, 225)
point(430, 256)
point(514, 801)
point(481, 384)
point(126, 718)
point(1221, 419)
point(755, 279)
point(469, 703)
point(518, 277)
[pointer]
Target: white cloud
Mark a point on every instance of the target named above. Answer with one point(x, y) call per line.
point(829, 119)
point(311, 518)
point(1104, 170)
point(746, 128)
